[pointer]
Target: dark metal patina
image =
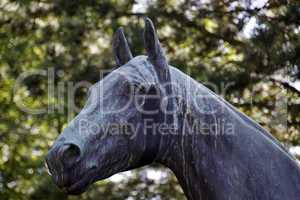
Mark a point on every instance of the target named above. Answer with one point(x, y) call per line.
point(241, 163)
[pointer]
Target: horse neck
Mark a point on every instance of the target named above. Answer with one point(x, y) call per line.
point(176, 151)
point(245, 164)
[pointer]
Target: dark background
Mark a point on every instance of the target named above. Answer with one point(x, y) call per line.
point(251, 46)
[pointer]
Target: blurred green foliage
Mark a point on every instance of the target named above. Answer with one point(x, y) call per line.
point(211, 40)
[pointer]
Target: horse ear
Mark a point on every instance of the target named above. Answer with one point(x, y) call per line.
point(154, 50)
point(121, 48)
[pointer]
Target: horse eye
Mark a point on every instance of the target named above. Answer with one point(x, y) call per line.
point(133, 89)
point(141, 90)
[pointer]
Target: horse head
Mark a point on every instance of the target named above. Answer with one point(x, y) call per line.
point(115, 131)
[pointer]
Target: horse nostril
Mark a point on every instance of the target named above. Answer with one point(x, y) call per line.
point(70, 154)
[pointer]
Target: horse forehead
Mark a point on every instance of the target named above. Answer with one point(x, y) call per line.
point(138, 69)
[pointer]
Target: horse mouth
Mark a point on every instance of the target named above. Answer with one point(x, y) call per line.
point(81, 185)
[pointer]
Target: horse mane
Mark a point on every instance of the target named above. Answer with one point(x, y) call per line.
point(248, 121)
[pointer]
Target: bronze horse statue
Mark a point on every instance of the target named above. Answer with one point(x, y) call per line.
point(164, 116)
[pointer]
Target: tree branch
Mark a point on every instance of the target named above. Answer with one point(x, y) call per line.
point(285, 84)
